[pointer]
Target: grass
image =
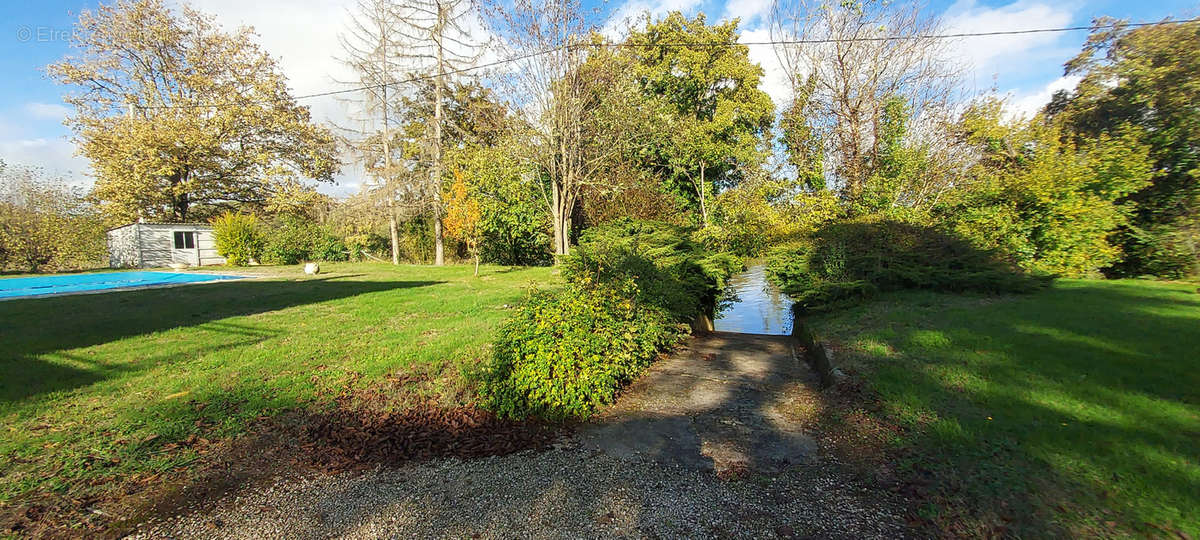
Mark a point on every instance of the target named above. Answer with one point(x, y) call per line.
point(96, 388)
point(1072, 411)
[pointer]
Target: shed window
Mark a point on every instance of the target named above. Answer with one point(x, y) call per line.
point(185, 240)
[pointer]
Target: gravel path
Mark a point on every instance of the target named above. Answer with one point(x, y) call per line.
point(570, 492)
point(706, 444)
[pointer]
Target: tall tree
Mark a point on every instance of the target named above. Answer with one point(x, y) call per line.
point(576, 116)
point(46, 224)
point(803, 141)
point(720, 115)
point(371, 49)
point(844, 84)
point(438, 42)
point(176, 114)
point(1147, 77)
point(1048, 202)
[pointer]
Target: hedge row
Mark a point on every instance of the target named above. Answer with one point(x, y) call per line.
point(849, 261)
point(241, 238)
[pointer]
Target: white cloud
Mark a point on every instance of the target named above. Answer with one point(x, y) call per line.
point(303, 36)
point(774, 82)
point(752, 13)
point(629, 13)
point(1001, 59)
point(56, 156)
point(47, 111)
point(1028, 104)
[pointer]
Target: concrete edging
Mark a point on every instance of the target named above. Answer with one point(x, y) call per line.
point(816, 354)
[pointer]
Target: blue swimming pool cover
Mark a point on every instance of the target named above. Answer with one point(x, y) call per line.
point(43, 285)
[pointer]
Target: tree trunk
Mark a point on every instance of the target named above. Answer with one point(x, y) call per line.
point(439, 248)
point(391, 196)
point(476, 264)
point(179, 201)
point(703, 207)
point(390, 185)
point(393, 227)
point(556, 216)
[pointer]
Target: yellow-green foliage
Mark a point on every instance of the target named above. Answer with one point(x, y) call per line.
point(564, 353)
point(238, 238)
point(1047, 203)
point(176, 164)
point(1148, 77)
point(766, 212)
point(45, 225)
point(632, 287)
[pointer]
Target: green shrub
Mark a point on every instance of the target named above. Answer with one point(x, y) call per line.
point(238, 238)
point(671, 271)
point(848, 261)
point(734, 238)
point(292, 240)
point(632, 287)
point(564, 353)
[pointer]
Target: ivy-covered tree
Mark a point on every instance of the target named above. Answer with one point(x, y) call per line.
point(803, 141)
point(181, 119)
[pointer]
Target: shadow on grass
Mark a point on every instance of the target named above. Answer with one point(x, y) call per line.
point(968, 409)
point(701, 414)
point(37, 331)
point(1073, 411)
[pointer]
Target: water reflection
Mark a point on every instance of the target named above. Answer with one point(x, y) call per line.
point(753, 305)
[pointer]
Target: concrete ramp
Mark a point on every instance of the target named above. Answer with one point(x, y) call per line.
point(722, 403)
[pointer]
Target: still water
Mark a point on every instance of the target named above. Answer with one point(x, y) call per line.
point(753, 305)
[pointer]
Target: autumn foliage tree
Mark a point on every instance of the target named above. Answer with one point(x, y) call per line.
point(463, 217)
point(45, 224)
point(181, 119)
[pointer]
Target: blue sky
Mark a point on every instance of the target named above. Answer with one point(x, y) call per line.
point(303, 35)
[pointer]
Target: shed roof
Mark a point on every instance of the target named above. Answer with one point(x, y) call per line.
point(184, 224)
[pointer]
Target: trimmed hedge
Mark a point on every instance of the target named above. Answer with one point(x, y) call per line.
point(632, 288)
point(849, 261)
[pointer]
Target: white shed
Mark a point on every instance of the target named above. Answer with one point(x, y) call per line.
point(150, 245)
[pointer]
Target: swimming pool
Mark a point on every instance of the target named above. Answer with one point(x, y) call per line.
point(44, 285)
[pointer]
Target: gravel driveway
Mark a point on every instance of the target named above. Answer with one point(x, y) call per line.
point(559, 493)
point(703, 445)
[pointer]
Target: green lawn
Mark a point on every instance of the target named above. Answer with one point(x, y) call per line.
point(99, 387)
point(1075, 410)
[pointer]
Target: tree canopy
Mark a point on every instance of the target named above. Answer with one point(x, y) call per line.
point(1148, 78)
point(181, 119)
point(718, 117)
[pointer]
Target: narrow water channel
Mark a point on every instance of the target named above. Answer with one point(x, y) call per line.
point(753, 305)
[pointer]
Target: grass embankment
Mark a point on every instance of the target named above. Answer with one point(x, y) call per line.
point(1074, 410)
point(109, 387)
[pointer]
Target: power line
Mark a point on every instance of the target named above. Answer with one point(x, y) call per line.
point(926, 36)
point(677, 44)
